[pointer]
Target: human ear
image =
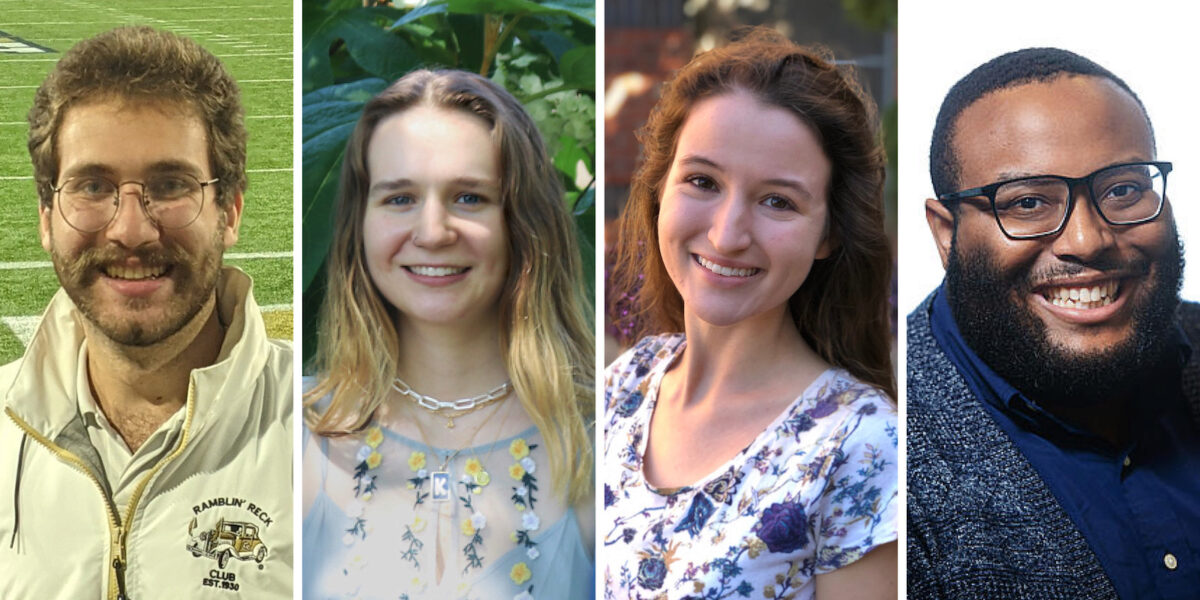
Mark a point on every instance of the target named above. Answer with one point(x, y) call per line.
point(233, 219)
point(941, 225)
point(44, 216)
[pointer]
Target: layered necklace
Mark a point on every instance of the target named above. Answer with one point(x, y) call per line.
point(453, 409)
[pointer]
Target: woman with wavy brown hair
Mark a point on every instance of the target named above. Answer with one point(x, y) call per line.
point(750, 439)
point(451, 410)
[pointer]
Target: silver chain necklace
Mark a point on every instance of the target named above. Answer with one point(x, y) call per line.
point(460, 406)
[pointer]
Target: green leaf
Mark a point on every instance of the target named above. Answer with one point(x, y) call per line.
point(468, 32)
point(330, 115)
point(582, 11)
point(568, 156)
point(578, 67)
point(433, 8)
point(585, 202)
point(375, 50)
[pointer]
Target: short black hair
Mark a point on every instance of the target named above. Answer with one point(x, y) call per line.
point(1031, 65)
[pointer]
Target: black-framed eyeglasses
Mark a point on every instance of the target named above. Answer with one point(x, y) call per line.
point(89, 203)
point(1037, 206)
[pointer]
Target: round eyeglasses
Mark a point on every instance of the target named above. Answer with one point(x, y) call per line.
point(1032, 207)
point(89, 203)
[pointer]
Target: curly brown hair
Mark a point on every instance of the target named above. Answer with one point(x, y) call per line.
point(841, 309)
point(142, 64)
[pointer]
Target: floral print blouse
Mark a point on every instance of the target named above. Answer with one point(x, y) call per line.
point(812, 493)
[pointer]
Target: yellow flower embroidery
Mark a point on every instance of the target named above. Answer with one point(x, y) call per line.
point(473, 468)
point(374, 459)
point(516, 471)
point(418, 524)
point(483, 478)
point(416, 461)
point(467, 528)
point(520, 573)
point(374, 436)
point(518, 449)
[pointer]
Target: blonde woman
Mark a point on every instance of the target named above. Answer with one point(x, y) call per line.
point(450, 449)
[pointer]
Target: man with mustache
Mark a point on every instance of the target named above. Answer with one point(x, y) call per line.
point(146, 445)
point(1053, 387)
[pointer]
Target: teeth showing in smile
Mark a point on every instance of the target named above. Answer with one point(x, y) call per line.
point(1083, 298)
point(436, 271)
point(133, 273)
point(726, 271)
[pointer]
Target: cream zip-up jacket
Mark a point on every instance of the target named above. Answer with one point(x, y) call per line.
point(211, 519)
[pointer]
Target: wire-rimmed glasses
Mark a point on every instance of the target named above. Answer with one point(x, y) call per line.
point(1037, 206)
point(89, 203)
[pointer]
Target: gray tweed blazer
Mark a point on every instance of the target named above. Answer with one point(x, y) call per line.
point(981, 522)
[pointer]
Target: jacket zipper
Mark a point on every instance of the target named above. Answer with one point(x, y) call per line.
point(118, 533)
point(116, 586)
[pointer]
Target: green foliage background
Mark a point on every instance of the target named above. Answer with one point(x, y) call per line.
point(543, 52)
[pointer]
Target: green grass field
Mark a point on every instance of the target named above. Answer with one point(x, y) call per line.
point(253, 39)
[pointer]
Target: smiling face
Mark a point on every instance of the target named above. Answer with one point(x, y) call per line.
point(434, 235)
point(1088, 299)
point(136, 282)
point(743, 212)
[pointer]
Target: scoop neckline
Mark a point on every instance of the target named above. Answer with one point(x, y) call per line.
point(655, 383)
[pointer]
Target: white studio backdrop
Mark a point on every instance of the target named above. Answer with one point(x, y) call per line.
point(1153, 45)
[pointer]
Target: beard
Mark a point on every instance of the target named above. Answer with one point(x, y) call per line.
point(194, 279)
point(1013, 341)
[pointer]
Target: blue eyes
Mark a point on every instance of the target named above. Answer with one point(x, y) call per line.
point(465, 199)
point(399, 200)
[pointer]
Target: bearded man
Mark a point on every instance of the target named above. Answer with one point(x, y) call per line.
point(146, 445)
point(1053, 391)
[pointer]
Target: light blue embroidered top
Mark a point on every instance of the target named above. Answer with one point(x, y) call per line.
point(515, 538)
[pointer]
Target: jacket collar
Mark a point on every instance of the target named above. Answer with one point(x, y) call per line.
point(43, 391)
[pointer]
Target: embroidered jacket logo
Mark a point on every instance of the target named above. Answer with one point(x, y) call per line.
point(225, 540)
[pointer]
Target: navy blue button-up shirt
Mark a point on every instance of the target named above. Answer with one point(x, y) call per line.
point(1138, 506)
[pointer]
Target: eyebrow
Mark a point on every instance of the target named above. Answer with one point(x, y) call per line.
point(1006, 175)
point(162, 166)
point(473, 183)
point(793, 184)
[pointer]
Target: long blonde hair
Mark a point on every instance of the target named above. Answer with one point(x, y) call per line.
point(545, 333)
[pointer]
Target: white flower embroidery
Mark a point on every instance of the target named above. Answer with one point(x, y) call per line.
point(530, 521)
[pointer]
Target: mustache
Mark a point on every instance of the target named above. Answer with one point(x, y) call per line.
point(1116, 269)
point(90, 262)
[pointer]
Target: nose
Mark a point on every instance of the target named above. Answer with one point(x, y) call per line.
point(1086, 235)
point(729, 231)
point(131, 226)
point(433, 227)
